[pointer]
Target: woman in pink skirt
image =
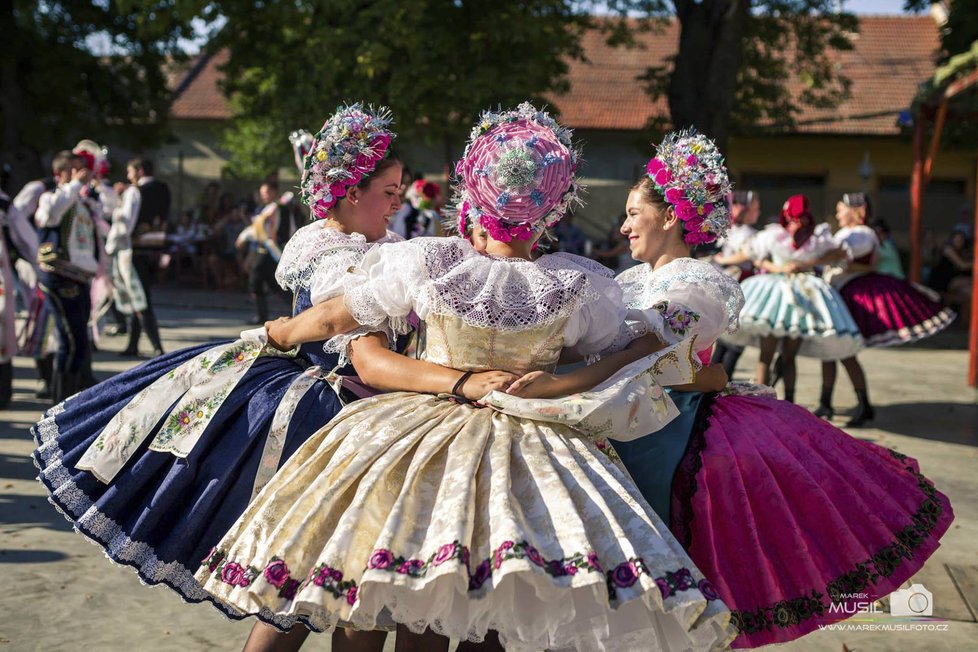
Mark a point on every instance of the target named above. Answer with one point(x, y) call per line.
point(888, 310)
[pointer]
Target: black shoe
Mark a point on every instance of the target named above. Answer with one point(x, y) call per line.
point(824, 412)
point(157, 353)
point(864, 414)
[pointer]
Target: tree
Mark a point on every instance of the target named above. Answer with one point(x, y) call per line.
point(73, 70)
point(736, 57)
point(959, 36)
point(435, 63)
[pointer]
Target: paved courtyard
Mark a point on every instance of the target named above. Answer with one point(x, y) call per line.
point(59, 593)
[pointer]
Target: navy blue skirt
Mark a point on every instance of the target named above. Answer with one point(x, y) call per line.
point(162, 514)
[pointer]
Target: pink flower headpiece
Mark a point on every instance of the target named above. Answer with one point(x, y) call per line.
point(517, 174)
point(344, 152)
point(689, 173)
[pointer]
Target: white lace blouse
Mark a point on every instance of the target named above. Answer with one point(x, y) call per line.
point(317, 257)
point(775, 243)
point(447, 276)
point(686, 297)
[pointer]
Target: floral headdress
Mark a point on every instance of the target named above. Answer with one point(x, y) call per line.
point(90, 152)
point(345, 151)
point(517, 173)
point(689, 173)
point(423, 194)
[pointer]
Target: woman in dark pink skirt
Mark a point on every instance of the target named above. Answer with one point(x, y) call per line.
point(794, 521)
point(888, 310)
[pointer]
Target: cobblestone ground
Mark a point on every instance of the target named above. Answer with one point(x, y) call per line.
point(59, 593)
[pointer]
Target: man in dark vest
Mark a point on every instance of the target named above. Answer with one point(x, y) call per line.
point(145, 201)
point(273, 227)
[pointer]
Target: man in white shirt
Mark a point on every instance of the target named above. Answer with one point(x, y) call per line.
point(67, 260)
point(134, 272)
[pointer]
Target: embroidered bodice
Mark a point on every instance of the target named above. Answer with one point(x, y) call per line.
point(775, 243)
point(451, 342)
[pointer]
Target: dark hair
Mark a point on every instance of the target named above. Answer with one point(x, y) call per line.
point(388, 161)
point(141, 163)
point(879, 224)
point(271, 185)
point(650, 194)
point(62, 161)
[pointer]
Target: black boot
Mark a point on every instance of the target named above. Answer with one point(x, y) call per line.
point(6, 384)
point(135, 330)
point(261, 309)
point(777, 372)
point(45, 373)
point(152, 331)
point(789, 396)
point(864, 411)
point(824, 409)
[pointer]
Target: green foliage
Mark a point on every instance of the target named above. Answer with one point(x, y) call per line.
point(435, 63)
point(777, 39)
point(958, 56)
point(59, 88)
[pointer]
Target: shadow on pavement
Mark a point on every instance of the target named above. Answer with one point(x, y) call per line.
point(30, 556)
point(18, 509)
point(13, 467)
point(954, 423)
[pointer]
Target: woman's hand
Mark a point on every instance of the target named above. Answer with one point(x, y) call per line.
point(479, 384)
point(278, 333)
point(537, 384)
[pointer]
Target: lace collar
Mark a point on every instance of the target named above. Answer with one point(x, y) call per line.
point(643, 287)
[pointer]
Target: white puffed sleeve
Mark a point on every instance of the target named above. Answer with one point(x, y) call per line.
point(857, 242)
point(822, 242)
point(761, 245)
point(689, 298)
point(596, 323)
point(384, 288)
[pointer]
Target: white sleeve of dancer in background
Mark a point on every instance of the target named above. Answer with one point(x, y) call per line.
point(22, 230)
point(131, 200)
point(857, 242)
point(52, 206)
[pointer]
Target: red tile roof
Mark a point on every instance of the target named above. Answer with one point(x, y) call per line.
point(891, 56)
point(198, 94)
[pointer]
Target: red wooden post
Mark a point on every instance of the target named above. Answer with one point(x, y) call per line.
point(973, 336)
point(917, 197)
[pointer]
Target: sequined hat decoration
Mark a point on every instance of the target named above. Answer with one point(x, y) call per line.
point(517, 174)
